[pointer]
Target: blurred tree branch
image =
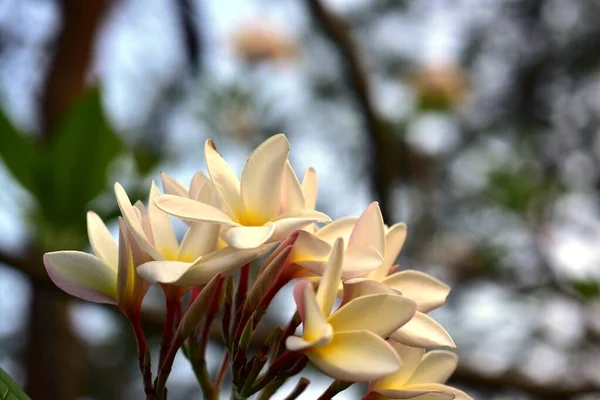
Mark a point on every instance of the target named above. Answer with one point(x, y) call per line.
point(384, 149)
point(191, 36)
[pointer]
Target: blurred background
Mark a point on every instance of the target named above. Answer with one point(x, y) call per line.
point(474, 121)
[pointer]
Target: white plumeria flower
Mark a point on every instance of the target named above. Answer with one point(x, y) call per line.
point(365, 250)
point(251, 209)
point(422, 376)
point(348, 344)
point(195, 260)
point(426, 291)
point(106, 276)
point(295, 195)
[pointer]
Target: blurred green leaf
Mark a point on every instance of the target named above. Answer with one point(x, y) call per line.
point(18, 152)
point(76, 167)
point(588, 289)
point(9, 390)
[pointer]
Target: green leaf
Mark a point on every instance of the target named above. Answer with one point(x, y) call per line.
point(76, 167)
point(9, 390)
point(18, 153)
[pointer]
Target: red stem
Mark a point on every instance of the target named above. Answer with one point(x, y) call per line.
point(173, 305)
point(222, 371)
point(142, 350)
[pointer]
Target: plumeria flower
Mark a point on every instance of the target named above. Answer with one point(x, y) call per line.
point(426, 291)
point(106, 276)
point(251, 209)
point(348, 344)
point(296, 195)
point(366, 244)
point(422, 376)
point(195, 260)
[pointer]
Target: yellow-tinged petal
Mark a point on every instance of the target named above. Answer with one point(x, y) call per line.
point(422, 331)
point(287, 223)
point(330, 282)
point(248, 237)
point(163, 271)
point(339, 228)
point(172, 186)
point(410, 357)
point(314, 325)
point(163, 234)
point(458, 394)
point(192, 210)
point(394, 240)
point(261, 179)
point(102, 242)
point(428, 292)
point(200, 239)
point(355, 356)
point(198, 185)
point(133, 219)
point(359, 287)
point(225, 181)
point(381, 314)
point(417, 393)
point(292, 197)
point(82, 275)
point(369, 230)
point(358, 261)
point(310, 188)
point(435, 367)
point(222, 261)
point(309, 247)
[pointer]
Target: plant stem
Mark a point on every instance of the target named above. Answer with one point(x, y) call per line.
point(144, 362)
point(222, 371)
point(335, 388)
point(299, 389)
point(173, 309)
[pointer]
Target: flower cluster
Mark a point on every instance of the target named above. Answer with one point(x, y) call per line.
point(362, 320)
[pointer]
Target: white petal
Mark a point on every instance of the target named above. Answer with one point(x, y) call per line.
point(359, 287)
point(102, 242)
point(458, 394)
point(261, 179)
point(314, 326)
point(225, 181)
point(163, 271)
point(172, 186)
point(221, 261)
point(355, 356)
point(287, 223)
point(192, 210)
point(410, 357)
point(358, 261)
point(369, 230)
point(436, 367)
point(394, 240)
point(310, 188)
point(133, 220)
point(428, 292)
point(199, 240)
point(422, 331)
point(339, 228)
point(417, 393)
point(292, 197)
point(248, 237)
point(310, 248)
point(198, 185)
point(295, 343)
point(381, 314)
point(330, 282)
point(82, 275)
point(165, 240)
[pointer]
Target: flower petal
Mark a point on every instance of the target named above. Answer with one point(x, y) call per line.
point(192, 210)
point(261, 179)
point(225, 181)
point(418, 393)
point(163, 271)
point(133, 220)
point(222, 261)
point(310, 188)
point(358, 261)
point(428, 292)
point(332, 277)
point(291, 221)
point(458, 394)
point(422, 331)
point(200, 239)
point(309, 247)
point(292, 197)
point(369, 230)
point(359, 287)
point(381, 314)
point(435, 367)
point(172, 186)
point(248, 237)
point(82, 275)
point(314, 326)
point(339, 228)
point(165, 240)
point(102, 242)
point(410, 357)
point(355, 356)
point(394, 240)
